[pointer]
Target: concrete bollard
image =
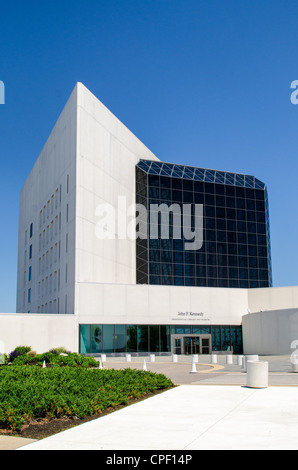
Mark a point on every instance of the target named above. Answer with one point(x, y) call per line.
point(175, 358)
point(229, 359)
point(100, 365)
point(213, 358)
point(144, 365)
point(257, 374)
point(239, 360)
point(103, 357)
point(250, 357)
point(196, 357)
point(152, 357)
point(128, 357)
point(193, 369)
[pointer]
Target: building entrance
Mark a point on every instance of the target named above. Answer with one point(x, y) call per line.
point(191, 344)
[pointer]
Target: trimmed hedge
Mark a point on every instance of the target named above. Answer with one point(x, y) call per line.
point(53, 359)
point(27, 393)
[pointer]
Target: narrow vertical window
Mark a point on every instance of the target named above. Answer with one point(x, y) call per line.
point(30, 273)
point(66, 243)
point(29, 296)
point(30, 252)
point(67, 183)
point(31, 230)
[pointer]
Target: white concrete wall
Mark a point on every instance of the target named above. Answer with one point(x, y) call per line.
point(275, 298)
point(270, 332)
point(106, 159)
point(41, 332)
point(146, 304)
point(273, 321)
point(56, 164)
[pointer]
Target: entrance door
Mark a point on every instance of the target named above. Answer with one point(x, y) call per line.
point(191, 345)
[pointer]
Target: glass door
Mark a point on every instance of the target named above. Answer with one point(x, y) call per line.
point(191, 345)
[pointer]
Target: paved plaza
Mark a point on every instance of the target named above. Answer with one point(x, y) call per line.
point(209, 409)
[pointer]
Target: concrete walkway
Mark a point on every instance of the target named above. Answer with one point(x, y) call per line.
point(12, 443)
point(191, 417)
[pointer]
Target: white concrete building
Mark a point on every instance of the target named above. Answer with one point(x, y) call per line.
point(81, 292)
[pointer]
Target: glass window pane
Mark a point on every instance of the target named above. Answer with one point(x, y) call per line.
point(131, 335)
point(154, 338)
point(236, 339)
point(108, 338)
point(120, 338)
point(225, 338)
point(216, 338)
point(143, 338)
point(201, 330)
point(85, 331)
point(165, 338)
point(96, 339)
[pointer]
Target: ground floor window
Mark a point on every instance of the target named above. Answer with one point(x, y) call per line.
point(111, 339)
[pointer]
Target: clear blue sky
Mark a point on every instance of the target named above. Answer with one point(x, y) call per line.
point(204, 83)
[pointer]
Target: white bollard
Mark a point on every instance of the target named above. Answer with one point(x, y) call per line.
point(144, 365)
point(196, 357)
point(257, 374)
point(213, 358)
point(239, 360)
point(100, 365)
point(250, 357)
point(103, 357)
point(128, 357)
point(193, 367)
point(175, 358)
point(152, 357)
point(229, 359)
point(44, 365)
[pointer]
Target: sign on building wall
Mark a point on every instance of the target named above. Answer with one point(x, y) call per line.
point(188, 316)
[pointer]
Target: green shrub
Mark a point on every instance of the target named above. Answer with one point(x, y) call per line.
point(23, 349)
point(60, 350)
point(51, 359)
point(28, 393)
